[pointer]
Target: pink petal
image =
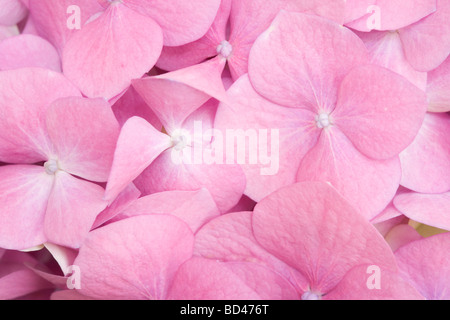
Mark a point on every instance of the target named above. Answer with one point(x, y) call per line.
point(225, 182)
point(381, 120)
point(131, 104)
point(135, 258)
point(124, 199)
point(51, 18)
point(429, 209)
point(427, 42)
point(437, 89)
point(230, 238)
point(68, 295)
point(425, 263)
point(138, 145)
point(425, 163)
point(173, 58)
point(334, 159)
point(72, 208)
point(204, 279)
point(321, 251)
point(303, 68)
point(193, 207)
point(181, 21)
point(28, 51)
point(21, 283)
point(193, 87)
point(25, 95)
point(394, 15)
point(13, 11)
point(386, 50)
point(98, 60)
point(84, 133)
point(24, 193)
point(289, 131)
point(354, 287)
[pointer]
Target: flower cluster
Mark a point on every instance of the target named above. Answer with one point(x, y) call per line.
point(225, 149)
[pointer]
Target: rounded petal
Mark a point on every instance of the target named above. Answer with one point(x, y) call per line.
point(84, 133)
point(379, 111)
point(107, 53)
point(27, 50)
point(426, 162)
point(427, 42)
point(13, 11)
point(181, 21)
point(303, 225)
point(438, 88)
point(135, 258)
point(304, 68)
point(429, 209)
point(25, 95)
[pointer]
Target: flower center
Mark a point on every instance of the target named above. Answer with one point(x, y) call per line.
point(51, 166)
point(180, 140)
point(323, 120)
point(309, 295)
point(225, 49)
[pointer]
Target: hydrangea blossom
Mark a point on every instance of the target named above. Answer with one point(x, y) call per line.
point(224, 149)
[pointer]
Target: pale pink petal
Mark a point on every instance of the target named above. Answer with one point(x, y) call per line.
point(386, 50)
point(84, 133)
point(173, 58)
point(72, 208)
point(12, 12)
point(25, 95)
point(52, 19)
point(138, 145)
point(24, 193)
point(303, 225)
point(401, 235)
point(425, 263)
point(429, 209)
point(175, 95)
point(390, 212)
point(28, 51)
point(393, 15)
point(425, 163)
point(379, 111)
point(193, 207)
point(204, 279)
point(427, 42)
point(438, 88)
point(181, 21)
point(98, 59)
point(225, 182)
point(282, 137)
point(304, 68)
point(357, 285)
point(334, 159)
point(135, 258)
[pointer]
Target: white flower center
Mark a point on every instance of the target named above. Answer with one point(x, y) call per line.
point(323, 120)
point(180, 139)
point(51, 166)
point(225, 49)
point(309, 295)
